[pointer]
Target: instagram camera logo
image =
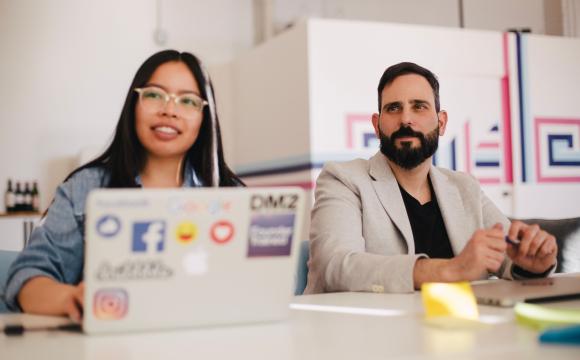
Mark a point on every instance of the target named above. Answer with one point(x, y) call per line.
point(111, 304)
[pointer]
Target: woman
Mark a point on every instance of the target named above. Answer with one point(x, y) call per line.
point(167, 136)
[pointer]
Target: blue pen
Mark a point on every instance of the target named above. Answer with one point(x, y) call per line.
point(510, 241)
point(566, 335)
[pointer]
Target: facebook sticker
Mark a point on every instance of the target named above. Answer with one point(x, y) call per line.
point(149, 236)
point(271, 235)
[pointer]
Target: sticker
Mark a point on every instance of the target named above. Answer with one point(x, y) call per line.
point(187, 206)
point(222, 232)
point(134, 270)
point(110, 304)
point(196, 263)
point(216, 207)
point(274, 202)
point(186, 232)
point(148, 236)
point(271, 235)
point(108, 226)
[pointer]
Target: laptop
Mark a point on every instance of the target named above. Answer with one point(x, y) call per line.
point(165, 259)
point(507, 293)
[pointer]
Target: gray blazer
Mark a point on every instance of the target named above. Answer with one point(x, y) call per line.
point(361, 237)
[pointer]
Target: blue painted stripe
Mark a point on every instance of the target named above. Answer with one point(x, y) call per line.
point(487, 163)
point(453, 157)
point(295, 164)
point(553, 142)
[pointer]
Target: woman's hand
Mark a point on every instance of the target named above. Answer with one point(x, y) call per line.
point(45, 296)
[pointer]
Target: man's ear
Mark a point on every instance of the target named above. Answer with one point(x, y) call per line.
point(375, 120)
point(442, 118)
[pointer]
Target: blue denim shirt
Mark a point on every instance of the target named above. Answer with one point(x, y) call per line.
point(56, 246)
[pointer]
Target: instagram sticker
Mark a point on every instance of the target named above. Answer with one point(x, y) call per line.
point(110, 304)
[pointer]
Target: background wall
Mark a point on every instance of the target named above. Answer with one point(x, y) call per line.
point(66, 64)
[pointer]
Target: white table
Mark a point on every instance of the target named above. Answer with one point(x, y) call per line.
point(336, 326)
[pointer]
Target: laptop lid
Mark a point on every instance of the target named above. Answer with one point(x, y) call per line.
point(508, 293)
point(158, 259)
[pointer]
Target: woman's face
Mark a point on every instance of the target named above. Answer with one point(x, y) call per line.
point(167, 129)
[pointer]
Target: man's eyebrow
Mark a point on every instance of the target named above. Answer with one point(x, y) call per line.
point(167, 91)
point(387, 105)
point(419, 101)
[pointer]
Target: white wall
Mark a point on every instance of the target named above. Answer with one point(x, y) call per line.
point(67, 65)
point(500, 15)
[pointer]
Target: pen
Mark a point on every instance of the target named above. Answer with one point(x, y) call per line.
point(512, 242)
point(18, 329)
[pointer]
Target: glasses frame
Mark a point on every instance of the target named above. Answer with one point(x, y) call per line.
point(170, 96)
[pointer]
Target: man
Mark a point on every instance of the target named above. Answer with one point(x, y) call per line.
point(394, 222)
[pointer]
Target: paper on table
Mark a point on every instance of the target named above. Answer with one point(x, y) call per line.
point(541, 317)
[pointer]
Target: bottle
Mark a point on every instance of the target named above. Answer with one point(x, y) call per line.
point(18, 198)
point(27, 198)
point(35, 197)
point(9, 198)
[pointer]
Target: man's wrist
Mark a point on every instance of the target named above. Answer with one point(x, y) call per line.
point(519, 272)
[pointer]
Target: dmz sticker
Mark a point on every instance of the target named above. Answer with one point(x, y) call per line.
point(108, 226)
point(110, 304)
point(148, 236)
point(271, 235)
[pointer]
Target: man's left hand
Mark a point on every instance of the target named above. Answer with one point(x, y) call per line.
point(537, 248)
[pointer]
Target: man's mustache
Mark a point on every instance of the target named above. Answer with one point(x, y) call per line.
point(405, 131)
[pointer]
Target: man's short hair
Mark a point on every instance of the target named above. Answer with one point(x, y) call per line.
point(405, 68)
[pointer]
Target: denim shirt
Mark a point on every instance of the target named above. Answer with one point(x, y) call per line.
point(56, 246)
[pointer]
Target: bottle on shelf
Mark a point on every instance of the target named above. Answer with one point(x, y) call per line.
point(27, 197)
point(18, 198)
point(9, 198)
point(35, 197)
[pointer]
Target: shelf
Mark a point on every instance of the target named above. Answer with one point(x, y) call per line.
point(20, 214)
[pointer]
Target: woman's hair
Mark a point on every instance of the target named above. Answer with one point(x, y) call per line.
point(125, 157)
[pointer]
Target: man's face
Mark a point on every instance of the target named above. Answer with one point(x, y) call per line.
point(408, 125)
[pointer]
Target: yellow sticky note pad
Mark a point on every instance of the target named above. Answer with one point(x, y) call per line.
point(449, 300)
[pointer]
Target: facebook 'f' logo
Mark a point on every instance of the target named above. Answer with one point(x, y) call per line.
point(148, 236)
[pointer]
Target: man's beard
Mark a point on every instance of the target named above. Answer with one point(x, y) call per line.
point(406, 156)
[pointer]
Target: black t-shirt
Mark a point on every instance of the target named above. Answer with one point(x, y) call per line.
point(428, 228)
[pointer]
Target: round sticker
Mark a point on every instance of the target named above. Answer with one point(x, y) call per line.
point(221, 232)
point(186, 232)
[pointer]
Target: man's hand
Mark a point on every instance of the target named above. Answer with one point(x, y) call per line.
point(537, 249)
point(484, 253)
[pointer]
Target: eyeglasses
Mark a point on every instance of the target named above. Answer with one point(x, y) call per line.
point(155, 99)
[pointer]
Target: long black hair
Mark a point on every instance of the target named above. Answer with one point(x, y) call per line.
point(125, 157)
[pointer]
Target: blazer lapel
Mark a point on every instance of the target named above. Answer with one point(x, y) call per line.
point(452, 209)
point(389, 194)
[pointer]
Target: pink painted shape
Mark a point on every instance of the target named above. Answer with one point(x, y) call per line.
point(551, 121)
point(488, 145)
point(351, 119)
point(506, 118)
point(489, 181)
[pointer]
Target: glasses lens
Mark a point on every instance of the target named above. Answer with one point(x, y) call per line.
point(190, 102)
point(153, 97)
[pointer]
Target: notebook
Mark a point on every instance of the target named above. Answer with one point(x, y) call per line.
point(164, 259)
point(508, 293)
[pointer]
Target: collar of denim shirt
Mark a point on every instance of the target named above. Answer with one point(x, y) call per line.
point(190, 178)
